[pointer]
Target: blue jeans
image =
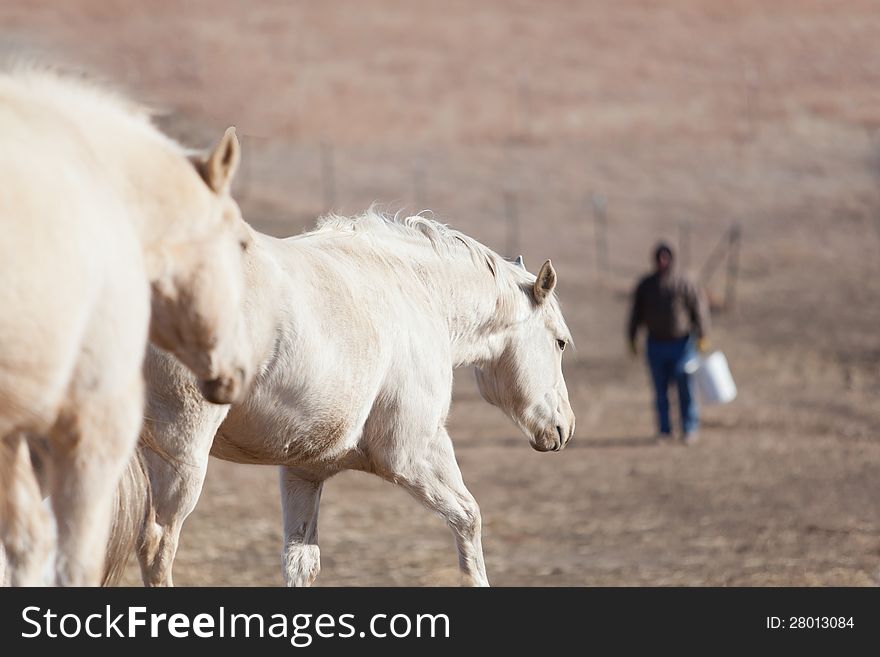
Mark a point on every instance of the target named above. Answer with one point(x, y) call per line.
point(666, 359)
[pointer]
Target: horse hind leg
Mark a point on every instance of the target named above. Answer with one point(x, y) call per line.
point(90, 448)
point(300, 499)
point(25, 524)
point(434, 478)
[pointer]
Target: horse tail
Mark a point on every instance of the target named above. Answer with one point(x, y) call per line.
point(133, 500)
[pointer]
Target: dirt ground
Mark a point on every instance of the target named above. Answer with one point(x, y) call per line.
point(712, 113)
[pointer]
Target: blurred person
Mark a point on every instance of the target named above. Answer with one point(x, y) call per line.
point(675, 313)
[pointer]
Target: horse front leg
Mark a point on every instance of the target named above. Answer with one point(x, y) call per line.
point(434, 478)
point(300, 499)
point(175, 490)
point(176, 479)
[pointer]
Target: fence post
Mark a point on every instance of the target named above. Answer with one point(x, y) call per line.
point(732, 266)
point(524, 98)
point(328, 176)
point(752, 81)
point(714, 258)
point(419, 180)
point(600, 207)
point(684, 243)
point(511, 217)
point(243, 179)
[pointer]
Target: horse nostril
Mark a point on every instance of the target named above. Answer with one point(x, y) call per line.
point(561, 435)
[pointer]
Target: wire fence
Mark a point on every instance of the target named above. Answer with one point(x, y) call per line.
point(287, 186)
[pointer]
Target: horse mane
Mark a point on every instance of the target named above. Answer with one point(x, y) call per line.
point(83, 99)
point(446, 242)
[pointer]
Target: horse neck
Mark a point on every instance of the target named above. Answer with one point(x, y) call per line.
point(462, 292)
point(265, 284)
point(145, 170)
point(470, 297)
point(163, 196)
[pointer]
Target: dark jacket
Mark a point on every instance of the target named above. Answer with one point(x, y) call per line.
point(670, 306)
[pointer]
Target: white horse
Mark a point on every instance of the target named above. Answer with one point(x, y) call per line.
point(111, 235)
point(359, 325)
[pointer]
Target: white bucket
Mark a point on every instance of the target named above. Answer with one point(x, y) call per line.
point(712, 378)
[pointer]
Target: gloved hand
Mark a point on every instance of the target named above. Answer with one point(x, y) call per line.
point(703, 345)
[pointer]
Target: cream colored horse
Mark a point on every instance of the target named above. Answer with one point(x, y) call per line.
point(111, 234)
point(359, 325)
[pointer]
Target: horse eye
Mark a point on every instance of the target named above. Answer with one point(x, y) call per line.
point(561, 344)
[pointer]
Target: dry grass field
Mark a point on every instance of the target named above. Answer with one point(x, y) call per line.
point(713, 113)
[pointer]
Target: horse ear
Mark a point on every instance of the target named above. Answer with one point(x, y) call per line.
point(519, 262)
point(218, 169)
point(545, 282)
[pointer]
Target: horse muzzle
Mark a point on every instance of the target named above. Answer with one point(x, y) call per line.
point(553, 438)
point(224, 389)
